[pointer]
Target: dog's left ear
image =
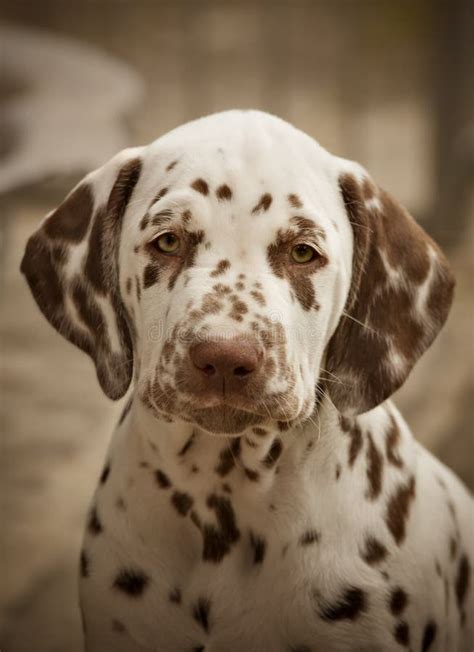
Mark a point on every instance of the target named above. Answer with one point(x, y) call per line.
point(400, 295)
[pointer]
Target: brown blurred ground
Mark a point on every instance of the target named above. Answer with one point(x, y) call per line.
point(367, 79)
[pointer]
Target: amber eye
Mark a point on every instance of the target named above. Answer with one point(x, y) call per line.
point(303, 253)
point(168, 243)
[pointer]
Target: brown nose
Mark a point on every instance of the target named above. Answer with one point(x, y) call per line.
point(231, 361)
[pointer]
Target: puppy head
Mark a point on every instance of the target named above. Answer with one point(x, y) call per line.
point(235, 268)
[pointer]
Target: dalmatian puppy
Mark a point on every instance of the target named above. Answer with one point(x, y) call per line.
point(260, 300)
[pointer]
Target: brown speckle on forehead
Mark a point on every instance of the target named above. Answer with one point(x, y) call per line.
point(263, 204)
point(199, 185)
point(161, 218)
point(186, 216)
point(171, 166)
point(144, 222)
point(161, 193)
point(295, 201)
point(222, 266)
point(224, 193)
point(307, 225)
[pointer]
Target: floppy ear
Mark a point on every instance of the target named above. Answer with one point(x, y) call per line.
point(400, 295)
point(71, 265)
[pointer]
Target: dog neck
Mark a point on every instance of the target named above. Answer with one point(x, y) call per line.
point(255, 463)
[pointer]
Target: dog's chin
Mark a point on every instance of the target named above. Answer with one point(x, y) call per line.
point(224, 420)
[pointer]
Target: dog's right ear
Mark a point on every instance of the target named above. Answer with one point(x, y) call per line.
point(71, 265)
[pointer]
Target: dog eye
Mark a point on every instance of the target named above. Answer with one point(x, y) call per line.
point(303, 253)
point(168, 243)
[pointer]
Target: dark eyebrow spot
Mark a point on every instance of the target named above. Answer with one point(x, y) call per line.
point(295, 201)
point(161, 193)
point(263, 204)
point(224, 192)
point(186, 216)
point(199, 185)
point(306, 224)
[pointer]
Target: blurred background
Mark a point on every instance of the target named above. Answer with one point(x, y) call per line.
point(389, 83)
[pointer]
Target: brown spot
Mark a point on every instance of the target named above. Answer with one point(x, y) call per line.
point(201, 613)
point(187, 445)
point(259, 546)
point(350, 606)
point(186, 216)
point(227, 457)
point(462, 581)
point(222, 289)
point(401, 633)
point(138, 288)
point(131, 581)
point(221, 267)
point(351, 428)
point(182, 502)
point(199, 185)
point(258, 296)
point(162, 479)
point(398, 601)
point(217, 541)
point(429, 635)
point(159, 195)
point(374, 551)
point(128, 285)
point(254, 476)
point(398, 510)
point(309, 537)
point(151, 275)
point(224, 193)
point(273, 454)
point(263, 204)
point(392, 442)
point(84, 564)
point(295, 201)
point(94, 524)
point(238, 309)
point(374, 469)
point(170, 166)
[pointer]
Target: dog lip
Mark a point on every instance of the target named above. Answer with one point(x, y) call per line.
point(231, 422)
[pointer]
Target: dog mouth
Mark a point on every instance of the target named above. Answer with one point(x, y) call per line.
point(229, 415)
point(224, 419)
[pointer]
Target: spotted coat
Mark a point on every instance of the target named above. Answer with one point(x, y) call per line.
point(282, 505)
